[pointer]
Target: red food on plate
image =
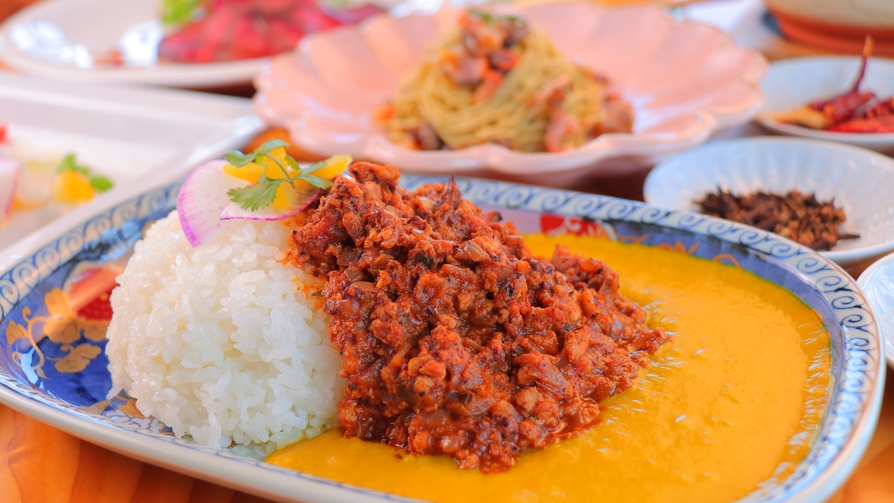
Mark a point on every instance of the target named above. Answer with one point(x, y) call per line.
point(232, 30)
point(455, 339)
point(854, 111)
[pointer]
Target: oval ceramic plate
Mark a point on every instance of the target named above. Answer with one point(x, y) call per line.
point(107, 41)
point(793, 83)
point(859, 181)
point(76, 39)
point(74, 250)
point(877, 283)
point(684, 81)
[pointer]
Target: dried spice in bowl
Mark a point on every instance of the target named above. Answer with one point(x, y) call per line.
point(795, 215)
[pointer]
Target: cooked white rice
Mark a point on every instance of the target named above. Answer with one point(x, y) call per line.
point(219, 342)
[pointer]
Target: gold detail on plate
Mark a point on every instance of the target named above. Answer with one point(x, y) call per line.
point(15, 332)
point(62, 326)
point(726, 258)
point(98, 407)
point(130, 408)
point(679, 247)
point(78, 357)
point(636, 240)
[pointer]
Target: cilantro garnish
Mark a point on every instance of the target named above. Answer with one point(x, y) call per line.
point(262, 194)
point(101, 183)
point(489, 18)
point(70, 163)
point(177, 12)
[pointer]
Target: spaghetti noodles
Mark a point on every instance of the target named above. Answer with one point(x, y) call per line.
point(497, 81)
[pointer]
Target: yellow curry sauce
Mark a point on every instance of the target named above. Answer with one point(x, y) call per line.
point(731, 402)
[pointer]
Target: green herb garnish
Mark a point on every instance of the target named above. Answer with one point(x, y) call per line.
point(70, 163)
point(177, 12)
point(489, 18)
point(101, 183)
point(262, 194)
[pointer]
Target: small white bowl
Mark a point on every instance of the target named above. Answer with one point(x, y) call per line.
point(795, 82)
point(860, 181)
point(877, 283)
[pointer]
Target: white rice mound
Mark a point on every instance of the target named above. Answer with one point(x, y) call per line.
point(220, 343)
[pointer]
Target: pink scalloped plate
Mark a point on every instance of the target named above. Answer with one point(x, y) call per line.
point(684, 81)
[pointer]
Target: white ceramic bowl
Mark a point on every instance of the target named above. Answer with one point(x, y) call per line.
point(861, 181)
point(795, 82)
point(877, 283)
point(684, 81)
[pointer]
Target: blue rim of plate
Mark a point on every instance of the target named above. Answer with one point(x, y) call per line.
point(857, 355)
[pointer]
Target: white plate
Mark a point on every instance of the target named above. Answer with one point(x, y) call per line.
point(795, 82)
point(861, 181)
point(70, 39)
point(121, 133)
point(64, 39)
point(684, 81)
point(877, 283)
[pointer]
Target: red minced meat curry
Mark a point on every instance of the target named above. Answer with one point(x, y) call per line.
point(454, 338)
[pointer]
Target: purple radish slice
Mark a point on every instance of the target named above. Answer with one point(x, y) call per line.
point(202, 199)
point(9, 181)
point(301, 198)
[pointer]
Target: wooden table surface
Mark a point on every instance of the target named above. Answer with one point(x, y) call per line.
point(39, 463)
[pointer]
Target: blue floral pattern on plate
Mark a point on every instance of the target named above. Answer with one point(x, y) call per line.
point(63, 368)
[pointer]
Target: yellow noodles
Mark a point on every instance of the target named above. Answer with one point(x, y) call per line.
point(517, 114)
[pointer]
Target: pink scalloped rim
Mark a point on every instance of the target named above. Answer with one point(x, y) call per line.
point(684, 81)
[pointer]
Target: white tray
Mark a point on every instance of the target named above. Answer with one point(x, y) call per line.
point(124, 134)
